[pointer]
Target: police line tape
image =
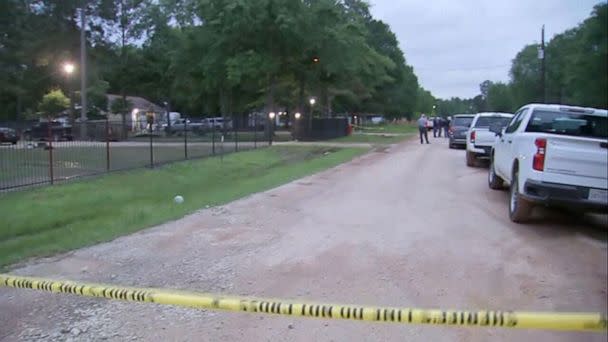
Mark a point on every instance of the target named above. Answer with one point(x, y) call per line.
point(502, 319)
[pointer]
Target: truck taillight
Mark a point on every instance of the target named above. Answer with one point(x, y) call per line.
point(472, 137)
point(538, 162)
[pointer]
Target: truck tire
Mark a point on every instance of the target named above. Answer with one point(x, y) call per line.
point(519, 207)
point(494, 180)
point(470, 159)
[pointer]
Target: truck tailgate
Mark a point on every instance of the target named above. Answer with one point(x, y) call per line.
point(576, 156)
point(483, 137)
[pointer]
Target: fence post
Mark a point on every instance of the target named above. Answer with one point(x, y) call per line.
point(236, 134)
point(255, 130)
point(213, 139)
point(186, 138)
point(50, 146)
point(107, 144)
point(270, 131)
point(151, 148)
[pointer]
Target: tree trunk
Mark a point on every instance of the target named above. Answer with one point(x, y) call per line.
point(124, 125)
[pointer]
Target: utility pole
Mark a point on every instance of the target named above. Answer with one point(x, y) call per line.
point(83, 71)
point(541, 56)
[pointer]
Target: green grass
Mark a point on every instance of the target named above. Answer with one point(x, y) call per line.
point(23, 166)
point(388, 128)
point(371, 139)
point(49, 220)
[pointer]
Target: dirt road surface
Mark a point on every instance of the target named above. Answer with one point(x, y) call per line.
point(409, 226)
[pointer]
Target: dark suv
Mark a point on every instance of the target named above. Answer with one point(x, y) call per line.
point(458, 129)
point(8, 135)
point(44, 131)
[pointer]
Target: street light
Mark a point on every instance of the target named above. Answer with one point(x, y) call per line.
point(297, 115)
point(68, 68)
point(312, 101)
point(271, 117)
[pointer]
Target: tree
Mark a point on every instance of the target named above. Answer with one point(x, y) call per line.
point(484, 88)
point(209, 56)
point(499, 98)
point(53, 103)
point(123, 107)
point(98, 101)
point(425, 101)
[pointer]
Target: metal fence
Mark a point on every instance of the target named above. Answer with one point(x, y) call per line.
point(50, 153)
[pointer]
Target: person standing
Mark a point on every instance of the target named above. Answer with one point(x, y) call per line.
point(435, 126)
point(446, 126)
point(439, 127)
point(422, 122)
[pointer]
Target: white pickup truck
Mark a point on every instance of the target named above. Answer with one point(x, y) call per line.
point(552, 155)
point(479, 138)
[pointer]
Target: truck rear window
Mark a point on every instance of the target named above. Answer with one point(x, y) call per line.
point(565, 123)
point(462, 121)
point(487, 121)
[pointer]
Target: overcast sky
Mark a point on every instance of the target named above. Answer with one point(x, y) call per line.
point(454, 45)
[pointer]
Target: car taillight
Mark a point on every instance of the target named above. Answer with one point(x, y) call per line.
point(538, 163)
point(473, 137)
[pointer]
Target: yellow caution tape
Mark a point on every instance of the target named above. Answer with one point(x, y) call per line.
point(490, 319)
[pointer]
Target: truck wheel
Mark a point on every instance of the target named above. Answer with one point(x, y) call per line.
point(470, 159)
point(519, 208)
point(494, 180)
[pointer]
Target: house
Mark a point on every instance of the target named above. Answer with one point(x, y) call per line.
point(137, 120)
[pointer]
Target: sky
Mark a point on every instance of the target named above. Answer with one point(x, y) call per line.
point(454, 45)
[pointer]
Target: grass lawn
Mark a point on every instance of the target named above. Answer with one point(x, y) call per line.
point(53, 219)
point(372, 139)
point(388, 128)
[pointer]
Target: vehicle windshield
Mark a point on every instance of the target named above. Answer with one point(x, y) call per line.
point(566, 123)
point(487, 121)
point(462, 121)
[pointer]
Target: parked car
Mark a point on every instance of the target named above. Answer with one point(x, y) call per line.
point(8, 135)
point(479, 138)
point(552, 155)
point(55, 131)
point(182, 125)
point(217, 123)
point(430, 123)
point(457, 131)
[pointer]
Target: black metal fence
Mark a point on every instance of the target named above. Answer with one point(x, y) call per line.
point(43, 153)
point(321, 128)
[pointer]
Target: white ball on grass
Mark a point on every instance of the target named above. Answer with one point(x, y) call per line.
point(178, 199)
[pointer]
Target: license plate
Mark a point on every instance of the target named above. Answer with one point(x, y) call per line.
point(597, 195)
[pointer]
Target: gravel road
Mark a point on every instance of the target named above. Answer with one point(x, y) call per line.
point(406, 226)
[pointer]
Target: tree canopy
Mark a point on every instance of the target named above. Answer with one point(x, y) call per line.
point(53, 103)
point(209, 57)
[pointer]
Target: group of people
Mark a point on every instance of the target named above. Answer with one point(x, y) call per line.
point(439, 125)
